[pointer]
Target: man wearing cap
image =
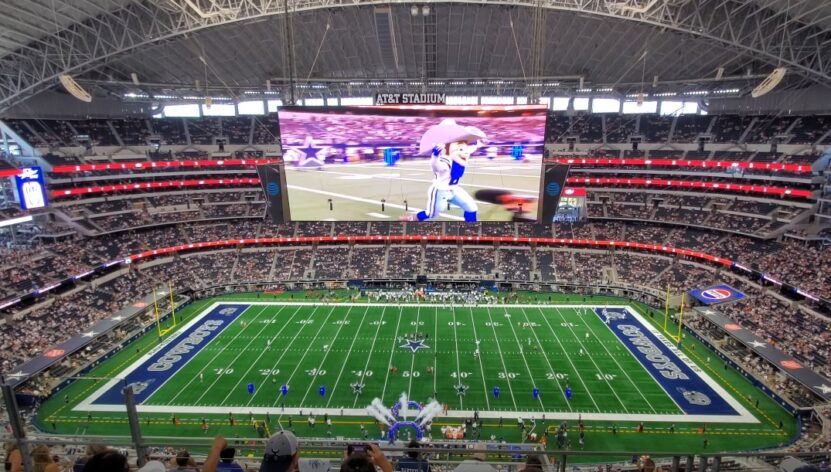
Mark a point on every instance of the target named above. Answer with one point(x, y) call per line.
point(451, 146)
point(281, 453)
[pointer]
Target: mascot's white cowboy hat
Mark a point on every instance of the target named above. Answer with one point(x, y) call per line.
point(448, 132)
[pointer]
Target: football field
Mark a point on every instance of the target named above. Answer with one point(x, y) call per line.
point(592, 362)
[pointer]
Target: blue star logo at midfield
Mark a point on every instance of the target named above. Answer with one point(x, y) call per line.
point(414, 344)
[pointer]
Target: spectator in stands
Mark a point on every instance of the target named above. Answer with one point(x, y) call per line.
point(108, 460)
point(153, 466)
point(359, 461)
point(42, 460)
point(412, 460)
point(184, 462)
point(476, 463)
point(281, 453)
point(226, 460)
point(533, 463)
point(92, 450)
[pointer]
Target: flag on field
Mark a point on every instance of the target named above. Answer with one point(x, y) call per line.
point(250, 389)
point(568, 393)
point(322, 391)
point(284, 389)
point(536, 392)
point(496, 392)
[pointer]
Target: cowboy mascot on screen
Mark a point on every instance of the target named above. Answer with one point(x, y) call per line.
point(450, 146)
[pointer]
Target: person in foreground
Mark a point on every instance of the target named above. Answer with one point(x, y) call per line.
point(359, 461)
point(281, 454)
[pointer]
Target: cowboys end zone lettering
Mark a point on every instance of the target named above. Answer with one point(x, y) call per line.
point(171, 355)
point(689, 391)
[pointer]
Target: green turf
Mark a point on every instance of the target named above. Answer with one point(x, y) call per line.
point(363, 342)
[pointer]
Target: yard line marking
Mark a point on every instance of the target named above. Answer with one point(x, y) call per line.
point(521, 353)
point(233, 362)
point(308, 346)
point(412, 363)
point(205, 367)
point(545, 356)
point(323, 361)
point(371, 348)
point(590, 311)
point(392, 351)
point(346, 360)
point(568, 358)
point(481, 367)
point(458, 367)
point(499, 348)
point(263, 351)
point(591, 358)
point(435, 351)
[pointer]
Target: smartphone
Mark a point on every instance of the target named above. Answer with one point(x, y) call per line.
point(352, 448)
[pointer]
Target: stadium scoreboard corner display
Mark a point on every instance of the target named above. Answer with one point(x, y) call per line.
point(415, 163)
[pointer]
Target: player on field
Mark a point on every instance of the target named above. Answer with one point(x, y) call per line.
point(451, 145)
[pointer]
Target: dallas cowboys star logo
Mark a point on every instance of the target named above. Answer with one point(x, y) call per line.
point(308, 150)
point(757, 344)
point(89, 334)
point(461, 389)
point(414, 344)
point(357, 388)
point(825, 389)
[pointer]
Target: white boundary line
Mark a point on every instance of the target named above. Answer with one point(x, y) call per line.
point(743, 417)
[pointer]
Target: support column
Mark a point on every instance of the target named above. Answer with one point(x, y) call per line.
point(18, 431)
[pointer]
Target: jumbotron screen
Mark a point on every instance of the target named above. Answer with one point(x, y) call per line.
point(416, 163)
